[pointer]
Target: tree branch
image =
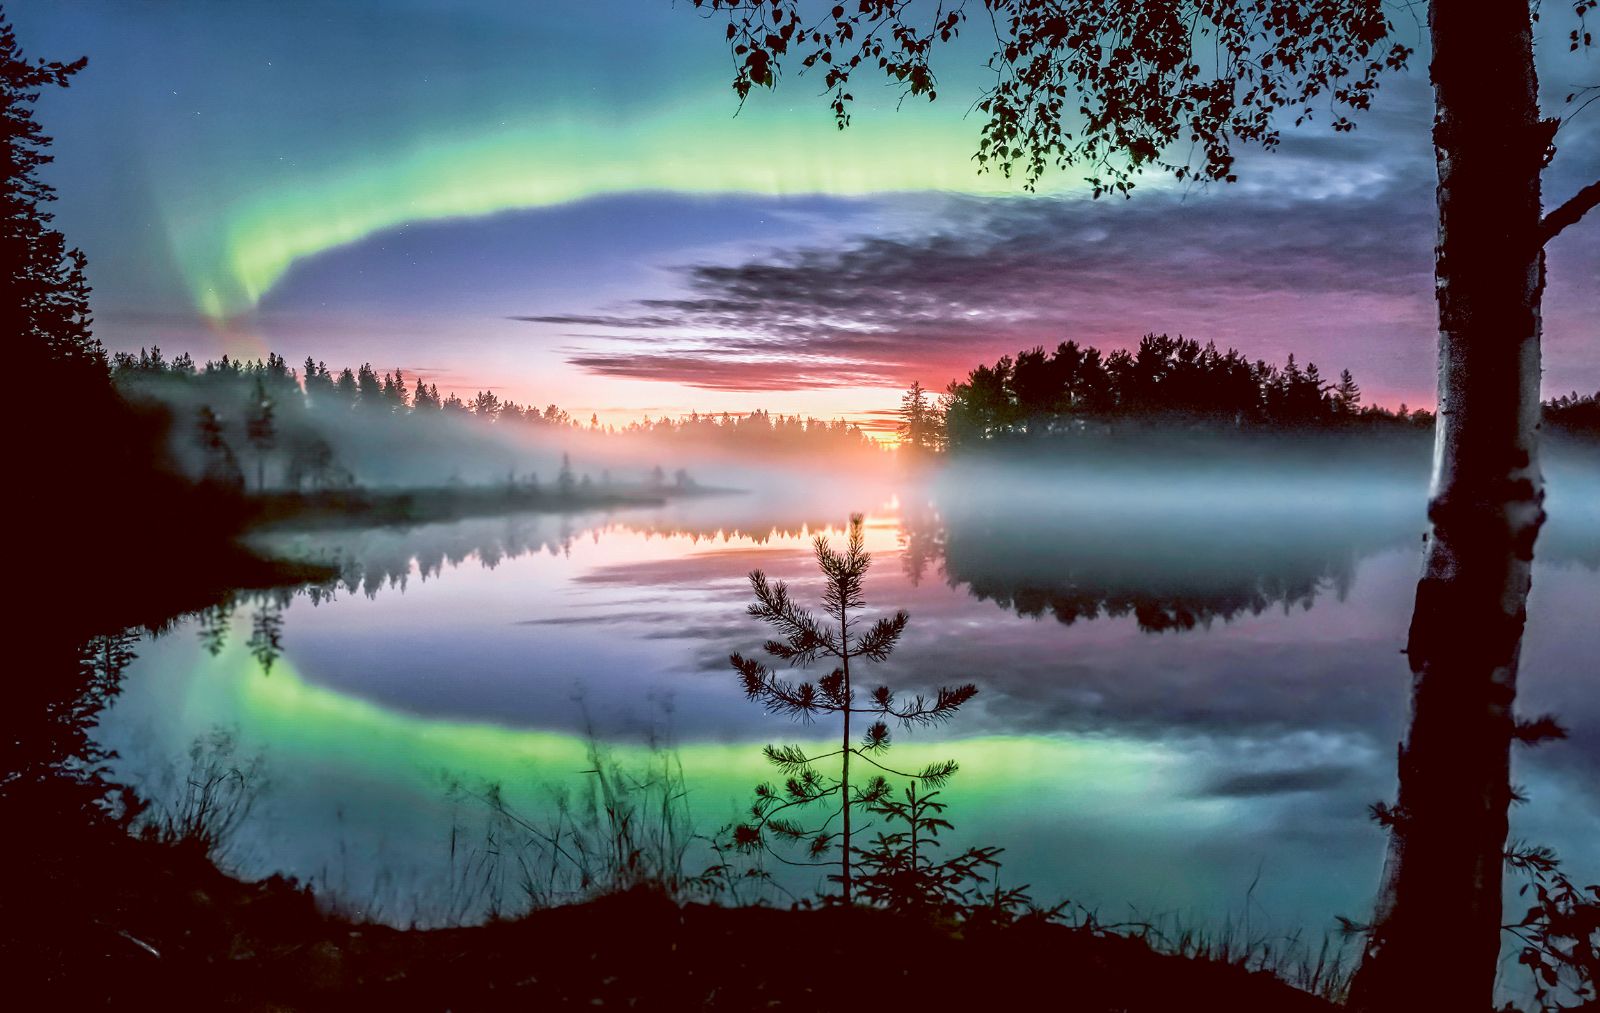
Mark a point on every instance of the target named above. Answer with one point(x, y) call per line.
point(1579, 205)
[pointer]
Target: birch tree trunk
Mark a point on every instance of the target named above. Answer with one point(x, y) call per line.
point(1435, 937)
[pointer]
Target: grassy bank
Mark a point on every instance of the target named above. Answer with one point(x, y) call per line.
point(155, 924)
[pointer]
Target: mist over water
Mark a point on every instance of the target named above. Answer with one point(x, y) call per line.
point(1190, 677)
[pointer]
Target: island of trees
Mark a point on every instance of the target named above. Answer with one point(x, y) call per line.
point(1169, 385)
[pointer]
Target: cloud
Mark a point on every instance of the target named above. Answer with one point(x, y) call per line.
point(1324, 249)
point(1328, 273)
point(723, 368)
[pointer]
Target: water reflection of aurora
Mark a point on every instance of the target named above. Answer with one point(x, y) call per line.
point(383, 774)
point(287, 716)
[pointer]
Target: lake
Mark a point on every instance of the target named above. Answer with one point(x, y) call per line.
point(1190, 686)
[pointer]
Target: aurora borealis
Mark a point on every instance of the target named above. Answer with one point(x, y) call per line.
point(398, 182)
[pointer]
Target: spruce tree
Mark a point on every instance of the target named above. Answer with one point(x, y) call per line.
point(1347, 395)
point(369, 388)
point(42, 283)
point(348, 387)
point(919, 428)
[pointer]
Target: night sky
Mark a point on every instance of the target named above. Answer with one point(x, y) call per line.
point(559, 201)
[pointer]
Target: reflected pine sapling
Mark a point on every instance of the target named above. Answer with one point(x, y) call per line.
point(898, 869)
point(835, 634)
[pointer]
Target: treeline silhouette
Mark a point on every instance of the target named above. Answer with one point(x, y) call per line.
point(1167, 384)
point(323, 390)
point(1166, 380)
point(263, 424)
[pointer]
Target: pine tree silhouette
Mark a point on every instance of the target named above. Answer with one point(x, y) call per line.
point(918, 427)
point(898, 869)
point(806, 638)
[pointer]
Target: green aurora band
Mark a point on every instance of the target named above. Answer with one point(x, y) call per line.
point(232, 258)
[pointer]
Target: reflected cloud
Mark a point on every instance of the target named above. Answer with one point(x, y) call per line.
point(1098, 750)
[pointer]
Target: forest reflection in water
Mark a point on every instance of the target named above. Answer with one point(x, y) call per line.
point(1177, 692)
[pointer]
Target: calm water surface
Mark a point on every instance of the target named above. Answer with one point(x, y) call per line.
point(1175, 715)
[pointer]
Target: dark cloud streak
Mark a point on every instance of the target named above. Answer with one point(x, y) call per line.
point(1267, 274)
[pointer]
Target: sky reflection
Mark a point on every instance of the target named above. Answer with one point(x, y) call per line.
point(1117, 766)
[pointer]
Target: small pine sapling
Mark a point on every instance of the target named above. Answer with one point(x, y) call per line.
point(835, 634)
